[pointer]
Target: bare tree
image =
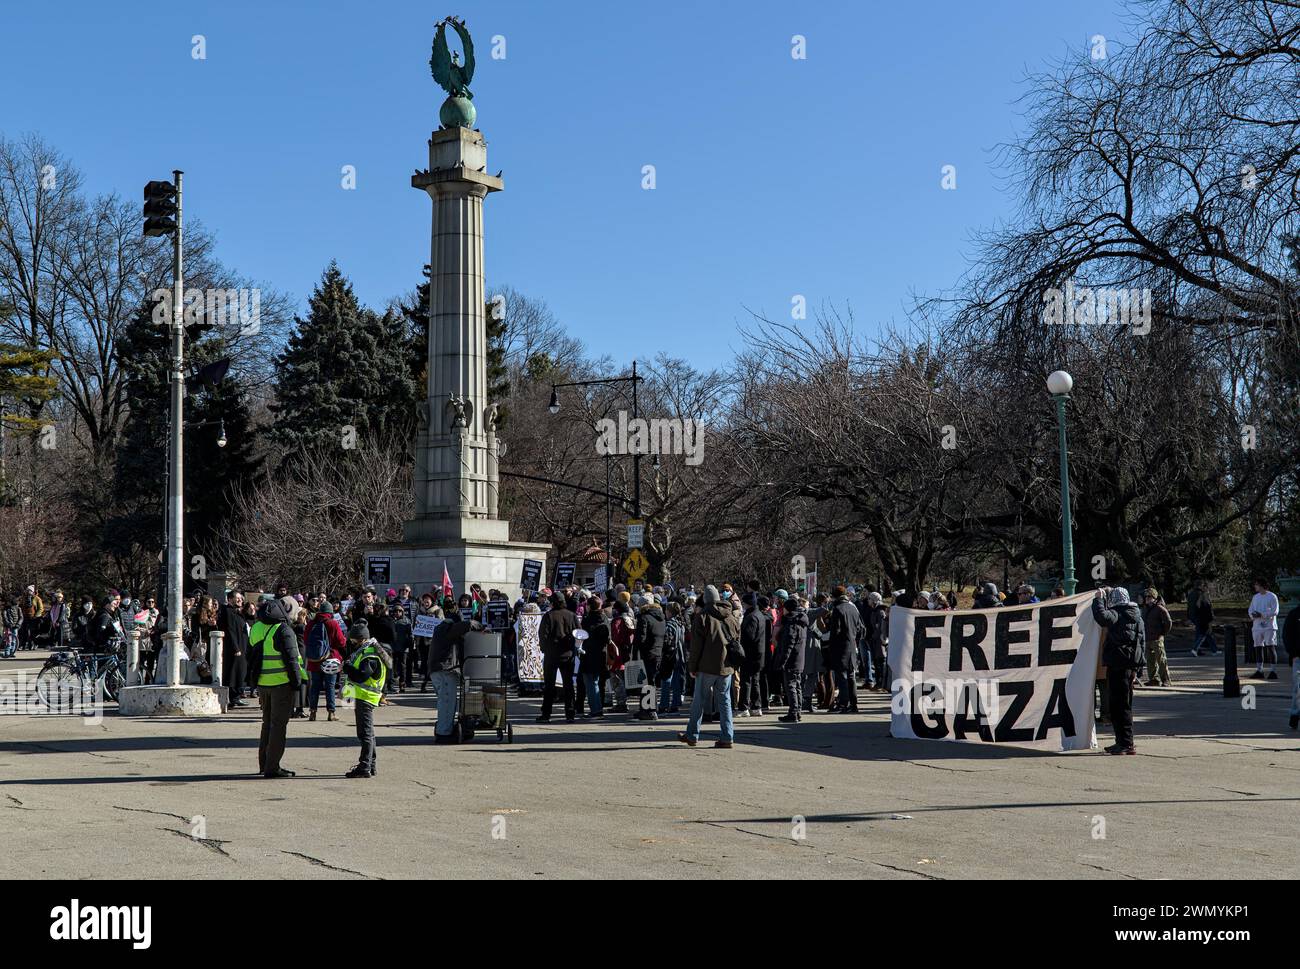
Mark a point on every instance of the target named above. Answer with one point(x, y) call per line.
point(306, 523)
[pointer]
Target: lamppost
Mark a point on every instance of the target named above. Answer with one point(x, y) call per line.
point(1059, 384)
point(636, 458)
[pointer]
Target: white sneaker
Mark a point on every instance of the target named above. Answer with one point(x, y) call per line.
point(1196, 652)
point(744, 713)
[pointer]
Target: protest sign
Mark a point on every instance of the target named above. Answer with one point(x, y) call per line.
point(1020, 675)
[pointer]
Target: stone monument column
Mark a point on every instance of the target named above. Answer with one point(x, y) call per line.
point(456, 523)
point(452, 464)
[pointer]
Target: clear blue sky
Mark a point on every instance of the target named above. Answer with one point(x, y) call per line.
point(775, 176)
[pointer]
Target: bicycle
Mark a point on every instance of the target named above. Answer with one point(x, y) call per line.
point(69, 680)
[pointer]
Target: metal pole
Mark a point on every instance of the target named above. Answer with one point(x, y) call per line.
point(133, 657)
point(176, 482)
point(1231, 681)
point(636, 458)
point(215, 655)
point(609, 525)
point(1067, 537)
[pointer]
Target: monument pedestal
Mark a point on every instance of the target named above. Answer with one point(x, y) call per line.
point(490, 564)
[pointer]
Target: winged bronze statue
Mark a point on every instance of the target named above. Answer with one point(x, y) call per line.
point(450, 74)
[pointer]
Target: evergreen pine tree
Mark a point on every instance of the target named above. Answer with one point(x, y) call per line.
point(138, 513)
point(26, 384)
point(345, 366)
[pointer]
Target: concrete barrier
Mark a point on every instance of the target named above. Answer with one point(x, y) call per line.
point(172, 701)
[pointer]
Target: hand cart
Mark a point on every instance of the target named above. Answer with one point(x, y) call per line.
point(482, 701)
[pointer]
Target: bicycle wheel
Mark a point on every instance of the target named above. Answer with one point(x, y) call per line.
point(59, 687)
point(113, 681)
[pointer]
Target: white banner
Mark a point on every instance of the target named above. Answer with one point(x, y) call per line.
point(1019, 675)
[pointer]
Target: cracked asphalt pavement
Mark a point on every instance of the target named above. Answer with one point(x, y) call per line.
point(1210, 795)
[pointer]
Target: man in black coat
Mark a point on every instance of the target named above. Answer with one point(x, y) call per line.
point(555, 635)
point(843, 630)
point(593, 666)
point(789, 656)
point(234, 646)
point(648, 642)
point(753, 640)
point(1122, 656)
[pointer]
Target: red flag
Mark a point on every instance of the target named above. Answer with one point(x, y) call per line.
point(447, 589)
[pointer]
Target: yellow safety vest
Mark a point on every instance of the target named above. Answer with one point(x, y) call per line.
point(372, 690)
point(273, 671)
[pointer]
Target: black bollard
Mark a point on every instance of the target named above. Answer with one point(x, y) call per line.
point(1231, 682)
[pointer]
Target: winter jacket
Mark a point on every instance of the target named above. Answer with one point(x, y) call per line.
point(1291, 634)
point(650, 634)
point(105, 627)
point(876, 625)
point(593, 662)
point(285, 643)
point(1201, 614)
point(622, 632)
point(555, 634)
point(333, 636)
point(674, 654)
point(844, 628)
point(753, 640)
point(369, 667)
point(402, 639)
point(1125, 637)
point(33, 607)
point(712, 628)
point(231, 623)
point(81, 628)
point(381, 628)
point(1156, 622)
point(791, 643)
point(449, 642)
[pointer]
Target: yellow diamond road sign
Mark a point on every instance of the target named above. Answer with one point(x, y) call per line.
point(636, 564)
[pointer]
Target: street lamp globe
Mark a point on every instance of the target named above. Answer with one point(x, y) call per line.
point(554, 407)
point(1059, 383)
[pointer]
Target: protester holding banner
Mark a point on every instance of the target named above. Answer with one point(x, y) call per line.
point(427, 616)
point(1125, 647)
point(1021, 674)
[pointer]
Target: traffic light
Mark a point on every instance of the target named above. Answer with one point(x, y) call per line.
point(159, 209)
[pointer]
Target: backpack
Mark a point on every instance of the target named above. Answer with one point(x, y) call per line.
point(318, 642)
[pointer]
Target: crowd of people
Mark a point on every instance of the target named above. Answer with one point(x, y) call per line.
point(731, 653)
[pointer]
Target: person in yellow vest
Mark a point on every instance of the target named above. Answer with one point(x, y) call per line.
point(276, 667)
point(367, 668)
